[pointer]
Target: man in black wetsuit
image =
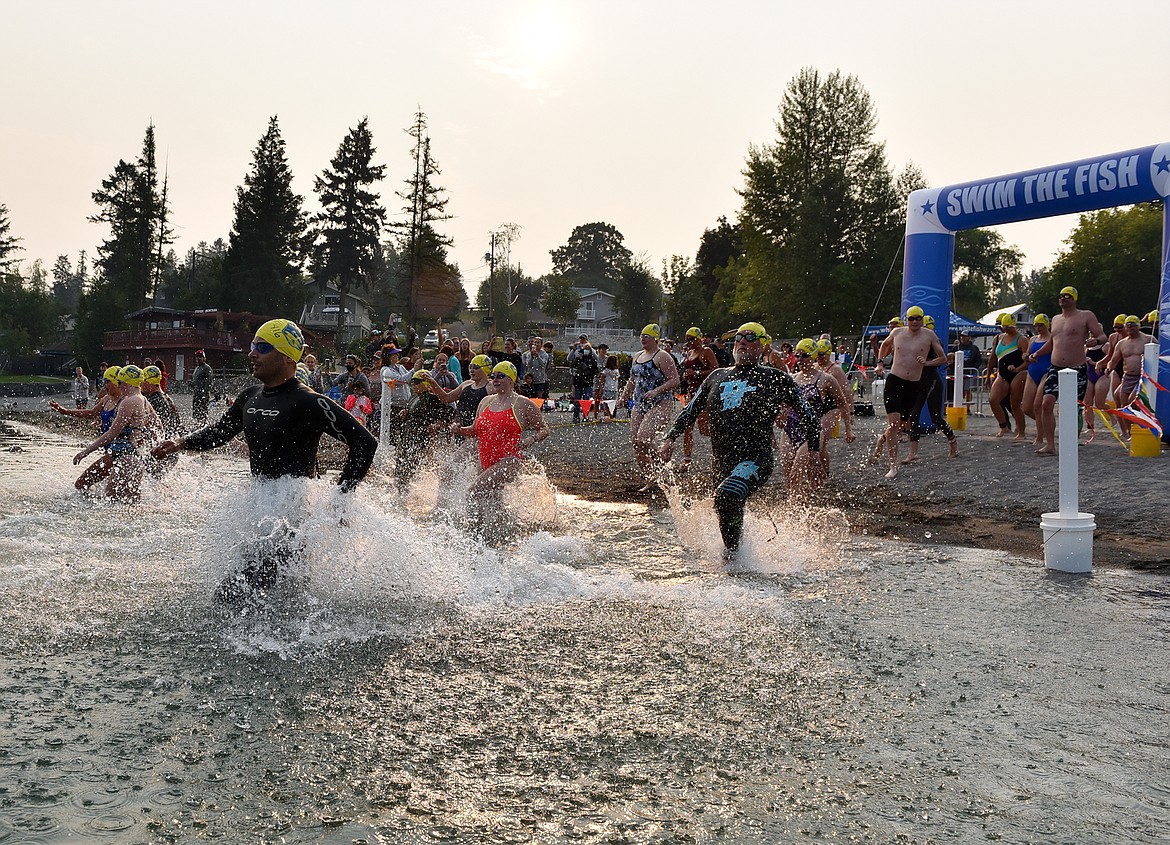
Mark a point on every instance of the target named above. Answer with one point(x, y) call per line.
point(743, 402)
point(282, 421)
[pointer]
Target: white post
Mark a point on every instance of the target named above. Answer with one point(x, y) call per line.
point(1068, 533)
point(960, 377)
point(1150, 368)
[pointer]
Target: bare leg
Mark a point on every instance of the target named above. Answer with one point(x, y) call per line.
point(893, 433)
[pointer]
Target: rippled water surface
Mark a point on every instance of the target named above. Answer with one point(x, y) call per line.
point(596, 681)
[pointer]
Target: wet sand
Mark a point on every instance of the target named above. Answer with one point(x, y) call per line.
point(991, 496)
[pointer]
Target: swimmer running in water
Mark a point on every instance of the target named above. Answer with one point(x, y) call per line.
point(503, 417)
point(134, 422)
point(743, 402)
point(103, 410)
point(282, 421)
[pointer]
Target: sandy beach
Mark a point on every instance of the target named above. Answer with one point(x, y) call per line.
point(991, 496)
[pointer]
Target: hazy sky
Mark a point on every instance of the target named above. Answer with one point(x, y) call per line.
point(552, 114)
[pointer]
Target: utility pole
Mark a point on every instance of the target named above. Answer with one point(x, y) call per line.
point(490, 258)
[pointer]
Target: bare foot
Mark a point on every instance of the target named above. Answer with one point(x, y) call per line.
point(1092, 435)
point(1046, 451)
point(1002, 432)
point(954, 443)
point(1019, 438)
point(893, 472)
point(909, 459)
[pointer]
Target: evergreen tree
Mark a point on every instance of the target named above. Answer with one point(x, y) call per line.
point(9, 245)
point(262, 265)
point(821, 217)
point(984, 268)
point(433, 285)
point(686, 305)
point(346, 249)
point(130, 204)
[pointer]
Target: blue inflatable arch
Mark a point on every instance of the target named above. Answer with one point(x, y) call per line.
point(934, 215)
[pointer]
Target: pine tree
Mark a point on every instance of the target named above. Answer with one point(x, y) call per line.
point(130, 204)
point(432, 281)
point(9, 245)
point(262, 267)
point(346, 248)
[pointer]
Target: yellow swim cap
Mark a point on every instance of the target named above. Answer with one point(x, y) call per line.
point(695, 331)
point(759, 330)
point(152, 375)
point(928, 321)
point(1041, 320)
point(111, 373)
point(1132, 320)
point(895, 321)
point(1152, 317)
point(1119, 320)
point(285, 335)
point(131, 375)
point(303, 374)
point(1071, 291)
point(1007, 320)
point(806, 346)
point(483, 362)
point(914, 311)
point(507, 368)
point(650, 329)
point(824, 347)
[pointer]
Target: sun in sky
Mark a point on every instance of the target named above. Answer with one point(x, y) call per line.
point(541, 33)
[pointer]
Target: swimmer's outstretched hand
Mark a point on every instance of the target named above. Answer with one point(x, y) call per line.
point(167, 447)
point(666, 450)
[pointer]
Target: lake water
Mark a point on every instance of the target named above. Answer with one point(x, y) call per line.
point(598, 681)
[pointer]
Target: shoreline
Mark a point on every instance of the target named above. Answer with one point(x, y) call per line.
point(991, 496)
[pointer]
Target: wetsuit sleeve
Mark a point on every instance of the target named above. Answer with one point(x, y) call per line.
point(362, 445)
point(219, 433)
point(692, 410)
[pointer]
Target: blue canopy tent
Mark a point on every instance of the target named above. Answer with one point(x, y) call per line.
point(958, 324)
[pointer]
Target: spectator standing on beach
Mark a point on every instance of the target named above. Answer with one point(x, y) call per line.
point(1070, 329)
point(200, 389)
point(395, 392)
point(583, 367)
point(352, 377)
point(537, 363)
point(80, 389)
point(912, 348)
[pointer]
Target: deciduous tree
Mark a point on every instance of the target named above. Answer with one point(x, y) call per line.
point(560, 301)
point(594, 256)
point(1113, 259)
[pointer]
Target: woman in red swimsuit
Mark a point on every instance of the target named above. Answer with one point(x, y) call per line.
point(500, 422)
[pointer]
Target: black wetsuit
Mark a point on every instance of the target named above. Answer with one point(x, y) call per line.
point(743, 403)
point(283, 427)
point(172, 426)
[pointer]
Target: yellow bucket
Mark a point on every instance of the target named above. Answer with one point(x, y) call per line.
point(1143, 443)
point(957, 418)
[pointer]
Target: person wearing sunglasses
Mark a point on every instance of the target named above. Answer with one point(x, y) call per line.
point(1070, 330)
point(282, 421)
point(913, 349)
point(743, 402)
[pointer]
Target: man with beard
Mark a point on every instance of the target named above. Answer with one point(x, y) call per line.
point(743, 402)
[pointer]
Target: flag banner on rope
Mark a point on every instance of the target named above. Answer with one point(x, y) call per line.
point(1138, 411)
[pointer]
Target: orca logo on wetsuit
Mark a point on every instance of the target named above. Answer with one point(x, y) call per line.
point(329, 415)
point(267, 412)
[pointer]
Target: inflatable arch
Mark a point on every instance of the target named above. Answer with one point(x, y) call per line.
point(934, 215)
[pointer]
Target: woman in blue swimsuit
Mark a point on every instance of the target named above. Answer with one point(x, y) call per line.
point(103, 411)
point(1037, 370)
point(653, 378)
point(1007, 391)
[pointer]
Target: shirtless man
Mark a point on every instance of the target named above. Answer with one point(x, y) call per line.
point(1070, 329)
point(912, 349)
point(1130, 352)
